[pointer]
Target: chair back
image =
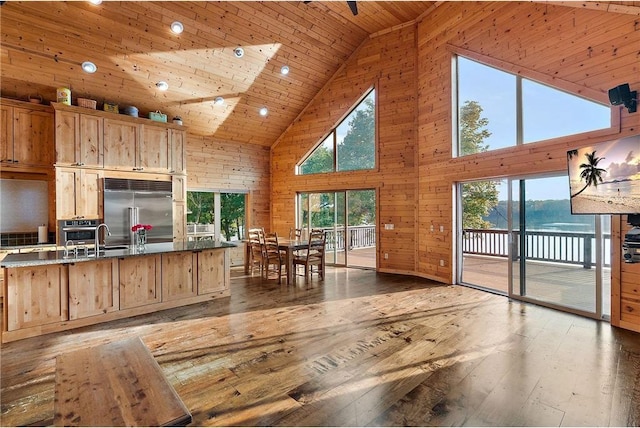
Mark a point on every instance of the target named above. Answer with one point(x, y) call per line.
point(271, 246)
point(317, 243)
point(295, 233)
point(256, 241)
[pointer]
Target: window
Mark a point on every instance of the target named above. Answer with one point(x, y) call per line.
point(203, 211)
point(349, 146)
point(493, 105)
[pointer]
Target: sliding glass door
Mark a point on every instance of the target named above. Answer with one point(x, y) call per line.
point(349, 219)
point(532, 248)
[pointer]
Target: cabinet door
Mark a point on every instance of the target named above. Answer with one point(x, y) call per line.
point(36, 296)
point(78, 193)
point(179, 186)
point(67, 134)
point(139, 279)
point(93, 288)
point(90, 141)
point(65, 193)
point(177, 151)
point(178, 276)
point(179, 221)
point(120, 142)
point(212, 271)
point(153, 151)
point(88, 193)
point(6, 134)
point(33, 137)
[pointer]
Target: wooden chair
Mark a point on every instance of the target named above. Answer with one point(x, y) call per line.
point(274, 258)
point(314, 255)
point(256, 250)
point(295, 233)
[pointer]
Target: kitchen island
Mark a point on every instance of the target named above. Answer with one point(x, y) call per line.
point(51, 291)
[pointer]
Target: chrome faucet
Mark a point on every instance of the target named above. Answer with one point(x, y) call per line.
point(97, 243)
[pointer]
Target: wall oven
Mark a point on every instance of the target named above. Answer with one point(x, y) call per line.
point(77, 231)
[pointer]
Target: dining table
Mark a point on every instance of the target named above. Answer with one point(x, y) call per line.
point(288, 246)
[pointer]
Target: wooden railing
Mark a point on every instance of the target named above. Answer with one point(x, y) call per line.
point(561, 247)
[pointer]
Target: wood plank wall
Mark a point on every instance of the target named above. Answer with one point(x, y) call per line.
point(388, 64)
point(214, 165)
point(590, 49)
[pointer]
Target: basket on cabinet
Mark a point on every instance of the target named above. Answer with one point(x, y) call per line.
point(87, 103)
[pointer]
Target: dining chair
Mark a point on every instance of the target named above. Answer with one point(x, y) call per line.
point(295, 233)
point(256, 250)
point(314, 255)
point(274, 257)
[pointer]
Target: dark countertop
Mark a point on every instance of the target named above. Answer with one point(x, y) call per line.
point(57, 257)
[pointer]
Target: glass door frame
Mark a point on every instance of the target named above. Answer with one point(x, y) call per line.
point(333, 261)
point(512, 182)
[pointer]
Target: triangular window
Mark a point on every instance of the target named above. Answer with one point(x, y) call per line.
point(350, 145)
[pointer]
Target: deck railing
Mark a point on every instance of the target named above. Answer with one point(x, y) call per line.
point(357, 237)
point(561, 247)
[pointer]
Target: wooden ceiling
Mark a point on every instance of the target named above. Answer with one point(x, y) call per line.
point(44, 44)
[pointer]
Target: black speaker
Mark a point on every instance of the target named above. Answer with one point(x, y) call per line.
point(622, 95)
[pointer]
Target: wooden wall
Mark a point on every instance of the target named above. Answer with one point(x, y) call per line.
point(388, 64)
point(227, 166)
point(584, 51)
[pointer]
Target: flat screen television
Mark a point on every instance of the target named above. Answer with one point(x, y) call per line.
point(604, 178)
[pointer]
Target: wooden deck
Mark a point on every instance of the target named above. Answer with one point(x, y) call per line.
point(567, 285)
point(357, 349)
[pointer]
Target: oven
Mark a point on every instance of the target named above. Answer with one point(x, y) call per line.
point(77, 231)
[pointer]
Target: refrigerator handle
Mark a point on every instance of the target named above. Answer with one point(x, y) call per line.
point(133, 220)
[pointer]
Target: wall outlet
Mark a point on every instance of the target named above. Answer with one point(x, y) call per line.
point(441, 262)
point(388, 226)
point(431, 228)
point(386, 256)
point(441, 228)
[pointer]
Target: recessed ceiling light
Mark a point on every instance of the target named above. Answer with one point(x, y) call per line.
point(96, 2)
point(177, 27)
point(163, 86)
point(89, 67)
point(238, 52)
point(264, 111)
point(284, 69)
point(218, 101)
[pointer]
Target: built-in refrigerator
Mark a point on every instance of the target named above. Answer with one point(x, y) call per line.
point(131, 202)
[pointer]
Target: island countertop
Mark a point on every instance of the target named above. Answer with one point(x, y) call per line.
point(58, 257)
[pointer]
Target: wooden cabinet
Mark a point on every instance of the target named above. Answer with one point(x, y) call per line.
point(121, 139)
point(79, 139)
point(213, 271)
point(178, 276)
point(139, 280)
point(27, 137)
point(93, 288)
point(36, 296)
point(178, 161)
point(179, 185)
point(78, 193)
point(154, 150)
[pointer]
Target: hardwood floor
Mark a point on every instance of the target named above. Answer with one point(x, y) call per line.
point(360, 349)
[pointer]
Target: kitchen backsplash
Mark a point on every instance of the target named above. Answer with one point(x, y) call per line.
point(24, 206)
point(19, 239)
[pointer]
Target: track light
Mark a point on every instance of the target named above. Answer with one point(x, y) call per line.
point(177, 27)
point(622, 95)
point(89, 67)
point(238, 52)
point(162, 86)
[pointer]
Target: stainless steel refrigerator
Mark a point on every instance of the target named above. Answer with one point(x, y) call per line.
point(131, 202)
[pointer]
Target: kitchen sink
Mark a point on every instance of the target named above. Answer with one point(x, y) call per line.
point(115, 247)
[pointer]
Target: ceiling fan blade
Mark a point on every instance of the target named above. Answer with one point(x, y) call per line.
point(353, 6)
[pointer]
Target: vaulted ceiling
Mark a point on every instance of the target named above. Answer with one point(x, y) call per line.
point(45, 43)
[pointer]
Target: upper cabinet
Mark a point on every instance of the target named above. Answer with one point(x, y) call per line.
point(79, 139)
point(92, 138)
point(27, 136)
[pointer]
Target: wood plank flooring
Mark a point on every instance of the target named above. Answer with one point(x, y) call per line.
point(359, 349)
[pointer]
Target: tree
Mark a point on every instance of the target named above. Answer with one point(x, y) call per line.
point(357, 148)
point(232, 214)
point(590, 173)
point(200, 207)
point(479, 197)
